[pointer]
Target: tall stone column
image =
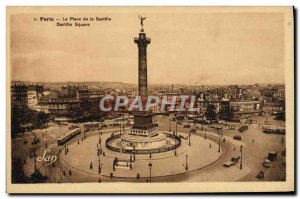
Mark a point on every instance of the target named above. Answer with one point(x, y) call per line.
point(142, 41)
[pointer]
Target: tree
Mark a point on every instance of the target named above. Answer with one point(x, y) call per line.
point(211, 112)
point(226, 112)
point(21, 116)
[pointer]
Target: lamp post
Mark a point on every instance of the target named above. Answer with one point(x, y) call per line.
point(150, 167)
point(219, 150)
point(134, 152)
point(190, 138)
point(46, 139)
point(100, 167)
point(186, 162)
point(123, 127)
point(176, 128)
point(241, 163)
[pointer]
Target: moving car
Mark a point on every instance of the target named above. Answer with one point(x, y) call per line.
point(228, 164)
point(186, 126)
point(242, 129)
point(267, 163)
point(193, 131)
point(261, 175)
point(237, 137)
point(272, 155)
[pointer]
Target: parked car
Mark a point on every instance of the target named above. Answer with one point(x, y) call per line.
point(228, 164)
point(267, 163)
point(237, 137)
point(186, 126)
point(261, 175)
point(242, 129)
point(193, 131)
point(104, 126)
point(272, 155)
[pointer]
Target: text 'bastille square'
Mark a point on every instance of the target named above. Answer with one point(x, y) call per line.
point(73, 142)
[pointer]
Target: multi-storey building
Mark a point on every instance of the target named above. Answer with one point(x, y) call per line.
point(19, 95)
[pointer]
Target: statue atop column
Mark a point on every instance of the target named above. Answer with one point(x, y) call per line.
point(142, 22)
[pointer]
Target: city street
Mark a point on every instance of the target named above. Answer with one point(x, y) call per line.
point(256, 147)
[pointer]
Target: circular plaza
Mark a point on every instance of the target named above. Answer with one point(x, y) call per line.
point(100, 158)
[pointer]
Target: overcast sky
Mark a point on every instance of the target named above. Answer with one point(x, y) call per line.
point(207, 48)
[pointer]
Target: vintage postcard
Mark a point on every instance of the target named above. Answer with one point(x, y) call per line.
point(150, 99)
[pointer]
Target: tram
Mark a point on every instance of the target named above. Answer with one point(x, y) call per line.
point(68, 136)
point(91, 126)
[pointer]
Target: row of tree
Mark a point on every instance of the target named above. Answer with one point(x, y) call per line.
point(226, 112)
point(24, 119)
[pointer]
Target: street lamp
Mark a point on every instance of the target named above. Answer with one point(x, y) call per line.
point(219, 150)
point(150, 167)
point(241, 163)
point(186, 162)
point(46, 139)
point(99, 167)
point(176, 128)
point(134, 152)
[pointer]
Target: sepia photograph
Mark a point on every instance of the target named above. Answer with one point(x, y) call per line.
point(150, 99)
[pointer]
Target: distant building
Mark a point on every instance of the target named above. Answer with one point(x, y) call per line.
point(89, 95)
point(279, 94)
point(39, 89)
point(244, 109)
point(64, 106)
point(19, 95)
point(68, 92)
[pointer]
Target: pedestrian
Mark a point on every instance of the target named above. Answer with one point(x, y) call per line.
point(70, 173)
point(111, 175)
point(138, 176)
point(78, 142)
point(99, 180)
point(91, 165)
point(209, 145)
point(252, 141)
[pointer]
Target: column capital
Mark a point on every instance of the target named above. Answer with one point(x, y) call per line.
point(142, 40)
